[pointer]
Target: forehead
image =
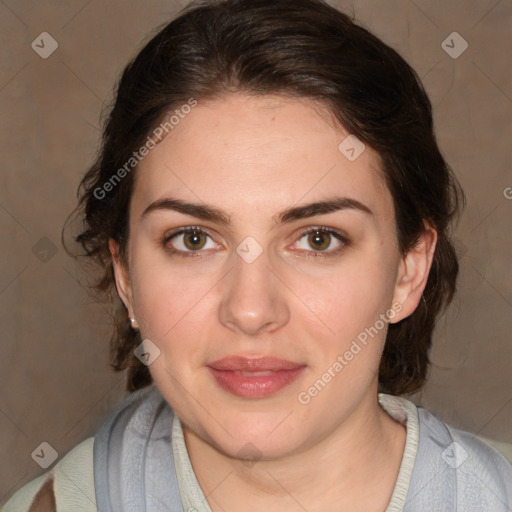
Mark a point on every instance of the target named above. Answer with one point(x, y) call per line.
point(240, 152)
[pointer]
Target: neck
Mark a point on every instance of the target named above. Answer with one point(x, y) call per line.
point(354, 467)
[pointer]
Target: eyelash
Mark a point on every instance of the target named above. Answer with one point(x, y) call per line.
point(315, 254)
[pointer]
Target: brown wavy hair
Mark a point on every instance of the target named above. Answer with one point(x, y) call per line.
point(301, 49)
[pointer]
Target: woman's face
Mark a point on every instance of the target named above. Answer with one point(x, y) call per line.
point(255, 283)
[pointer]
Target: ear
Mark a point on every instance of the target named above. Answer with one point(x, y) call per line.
point(123, 285)
point(413, 273)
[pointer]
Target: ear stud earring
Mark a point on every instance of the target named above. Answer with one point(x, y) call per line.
point(133, 323)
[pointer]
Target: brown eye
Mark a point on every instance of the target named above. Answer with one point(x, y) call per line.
point(194, 240)
point(319, 240)
point(188, 242)
point(323, 241)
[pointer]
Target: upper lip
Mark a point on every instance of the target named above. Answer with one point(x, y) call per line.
point(255, 364)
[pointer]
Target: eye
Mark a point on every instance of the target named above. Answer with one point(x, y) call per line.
point(187, 240)
point(190, 240)
point(321, 240)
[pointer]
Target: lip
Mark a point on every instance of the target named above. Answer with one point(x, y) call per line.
point(256, 377)
point(254, 364)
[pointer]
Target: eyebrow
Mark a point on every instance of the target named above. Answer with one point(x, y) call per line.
point(213, 214)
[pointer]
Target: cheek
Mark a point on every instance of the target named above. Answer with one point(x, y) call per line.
point(169, 304)
point(349, 339)
point(350, 305)
point(352, 295)
point(172, 312)
point(166, 299)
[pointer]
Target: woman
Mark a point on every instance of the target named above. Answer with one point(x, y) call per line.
point(274, 213)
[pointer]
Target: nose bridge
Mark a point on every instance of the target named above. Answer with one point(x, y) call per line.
point(253, 298)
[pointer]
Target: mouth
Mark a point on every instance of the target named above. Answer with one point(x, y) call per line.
point(253, 374)
point(254, 377)
point(254, 364)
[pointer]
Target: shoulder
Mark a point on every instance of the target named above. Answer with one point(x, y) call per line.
point(73, 483)
point(484, 460)
point(73, 478)
point(463, 464)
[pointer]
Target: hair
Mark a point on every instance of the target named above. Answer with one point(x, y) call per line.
point(300, 49)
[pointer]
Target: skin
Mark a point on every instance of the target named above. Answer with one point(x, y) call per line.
point(254, 157)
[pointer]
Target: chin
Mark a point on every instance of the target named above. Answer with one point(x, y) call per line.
point(259, 448)
point(252, 436)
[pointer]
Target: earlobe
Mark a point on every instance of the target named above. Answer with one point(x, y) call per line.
point(122, 279)
point(413, 273)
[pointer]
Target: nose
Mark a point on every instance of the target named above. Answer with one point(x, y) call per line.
point(254, 299)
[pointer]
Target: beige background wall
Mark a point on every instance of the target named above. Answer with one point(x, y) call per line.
point(55, 384)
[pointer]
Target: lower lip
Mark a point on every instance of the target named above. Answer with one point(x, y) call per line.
point(258, 386)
